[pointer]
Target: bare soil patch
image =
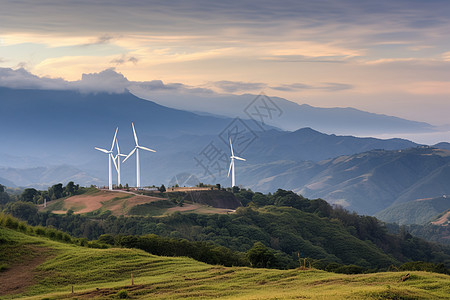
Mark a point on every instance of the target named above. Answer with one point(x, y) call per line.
point(122, 207)
point(442, 220)
point(20, 275)
point(199, 209)
point(118, 202)
point(90, 202)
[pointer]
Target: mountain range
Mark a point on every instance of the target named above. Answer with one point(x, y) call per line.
point(365, 182)
point(49, 137)
point(286, 114)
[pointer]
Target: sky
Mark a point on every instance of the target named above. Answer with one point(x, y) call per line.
point(390, 57)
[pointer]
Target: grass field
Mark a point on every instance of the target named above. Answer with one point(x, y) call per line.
point(53, 268)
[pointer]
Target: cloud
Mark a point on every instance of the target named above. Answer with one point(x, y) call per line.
point(303, 58)
point(101, 40)
point(327, 86)
point(133, 59)
point(105, 81)
point(446, 56)
point(238, 86)
point(22, 79)
point(124, 59)
point(109, 81)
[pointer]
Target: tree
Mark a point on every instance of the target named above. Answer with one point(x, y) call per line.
point(22, 210)
point(4, 197)
point(70, 189)
point(162, 188)
point(56, 191)
point(28, 195)
point(260, 256)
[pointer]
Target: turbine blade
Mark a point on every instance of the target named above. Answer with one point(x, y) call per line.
point(145, 148)
point(131, 153)
point(114, 139)
point(229, 169)
point(231, 147)
point(103, 150)
point(117, 145)
point(239, 158)
point(135, 136)
point(114, 161)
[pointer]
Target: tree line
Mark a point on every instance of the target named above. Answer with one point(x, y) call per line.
point(270, 230)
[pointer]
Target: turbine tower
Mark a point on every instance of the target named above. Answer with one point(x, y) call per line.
point(110, 157)
point(233, 157)
point(136, 149)
point(118, 155)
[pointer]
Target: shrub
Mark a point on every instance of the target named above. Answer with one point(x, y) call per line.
point(123, 294)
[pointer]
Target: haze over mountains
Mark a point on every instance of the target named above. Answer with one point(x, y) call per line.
point(49, 137)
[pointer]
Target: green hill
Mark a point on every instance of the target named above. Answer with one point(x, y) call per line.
point(39, 268)
point(415, 212)
point(284, 222)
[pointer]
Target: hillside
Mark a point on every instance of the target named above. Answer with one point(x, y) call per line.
point(366, 183)
point(122, 203)
point(284, 221)
point(104, 273)
point(422, 211)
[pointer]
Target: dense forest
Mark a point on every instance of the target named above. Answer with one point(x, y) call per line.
point(270, 230)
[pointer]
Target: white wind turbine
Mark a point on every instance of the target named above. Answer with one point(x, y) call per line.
point(118, 155)
point(110, 157)
point(136, 149)
point(233, 157)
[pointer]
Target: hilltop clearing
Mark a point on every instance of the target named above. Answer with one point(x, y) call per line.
point(125, 203)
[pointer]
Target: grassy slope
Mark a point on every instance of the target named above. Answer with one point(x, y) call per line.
point(103, 273)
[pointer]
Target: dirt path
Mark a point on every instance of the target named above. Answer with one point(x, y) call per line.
point(442, 220)
point(20, 276)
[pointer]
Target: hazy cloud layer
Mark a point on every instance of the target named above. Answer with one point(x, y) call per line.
point(108, 81)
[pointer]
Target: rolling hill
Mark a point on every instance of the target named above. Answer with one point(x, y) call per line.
point(422, 211)
point(367, 182)
point(122, 203)
point(38, 267)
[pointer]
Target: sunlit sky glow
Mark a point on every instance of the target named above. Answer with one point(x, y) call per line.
point(390, 57)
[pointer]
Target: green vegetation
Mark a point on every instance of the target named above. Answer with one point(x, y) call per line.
point(415, 212)
point(156, 208)
point(106, 273)
point(54, 192)
point(287, 225)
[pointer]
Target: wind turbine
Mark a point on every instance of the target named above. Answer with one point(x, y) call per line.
point(233, 157)
point(118, 155)
point(136, 149)
point(110, 157)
